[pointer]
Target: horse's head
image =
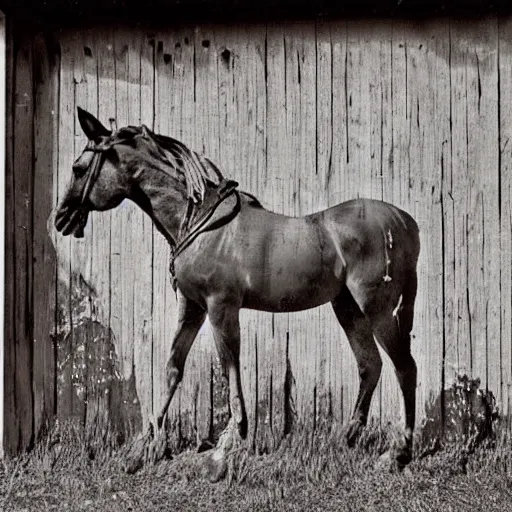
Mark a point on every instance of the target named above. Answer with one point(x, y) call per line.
point(103, 175)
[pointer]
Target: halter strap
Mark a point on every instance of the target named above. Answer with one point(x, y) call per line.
point(93, 173)
point(96, 164)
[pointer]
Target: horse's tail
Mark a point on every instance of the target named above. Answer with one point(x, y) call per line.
point(410, 283)
point(412, 232)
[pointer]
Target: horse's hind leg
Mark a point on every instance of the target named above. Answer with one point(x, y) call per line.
point(392, 325)
point(369, 362)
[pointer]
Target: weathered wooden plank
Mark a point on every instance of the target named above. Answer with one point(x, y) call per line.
point(377, 51)
point(484, 197)
point(83, 94)
point(100, 345)
point(162, 329)
point(212, 394)
point(63, 244)
point(327, 332)
point(242, 103)
point(121, 294)
point(10, 433)
point(459, 354)
point(300, 170)
point(124, 403)
point(429, 134)
point(46, 68)
point(6, 150)
point(141, 62)
point(193, 401)
point(279, 193)
point(475, 142)
point(396, 183)
point(340, 359)
point(263, 384)
point(23, 230)
point(436, 257)
point(505, 213)
point(227, 55)
point(170, 82)
point(450, 214)
point(357, 176)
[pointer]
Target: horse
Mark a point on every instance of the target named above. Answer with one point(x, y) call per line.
point(229, 252)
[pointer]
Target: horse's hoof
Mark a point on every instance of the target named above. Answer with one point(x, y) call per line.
point(242, 428)
point(132, 466)
point(217, 467)
point(394, 461)
point(403, 456)
point(205, 445)
point(387, 463)
point(134, 453)
point(355, 427)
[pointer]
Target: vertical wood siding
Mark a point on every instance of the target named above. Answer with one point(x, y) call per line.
point(304, 116)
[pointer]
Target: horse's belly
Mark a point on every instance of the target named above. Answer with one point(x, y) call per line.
point(290, 291)
point(294, 269)
point(288, 299)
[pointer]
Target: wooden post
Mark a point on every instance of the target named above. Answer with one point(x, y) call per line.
point(3, 79)
point(45, 68)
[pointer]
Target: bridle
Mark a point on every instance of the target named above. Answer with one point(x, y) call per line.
point(187, 233)
point(95, 166)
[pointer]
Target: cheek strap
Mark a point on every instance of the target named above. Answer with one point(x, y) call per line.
point(93, 173)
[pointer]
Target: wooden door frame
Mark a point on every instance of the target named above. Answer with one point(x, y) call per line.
point(3, 66)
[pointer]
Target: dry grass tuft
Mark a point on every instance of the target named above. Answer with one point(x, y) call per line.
point(146, 448)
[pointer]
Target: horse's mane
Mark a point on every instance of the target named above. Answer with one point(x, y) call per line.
point(198, 170)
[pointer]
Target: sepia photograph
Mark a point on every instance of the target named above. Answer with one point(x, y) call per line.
point(257, 255)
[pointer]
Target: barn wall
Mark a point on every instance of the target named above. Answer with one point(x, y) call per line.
point(304, 116)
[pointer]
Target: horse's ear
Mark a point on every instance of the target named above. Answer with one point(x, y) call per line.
point(146, 132)
point(92, 128)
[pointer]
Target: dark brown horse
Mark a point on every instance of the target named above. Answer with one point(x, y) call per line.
point(228, 252)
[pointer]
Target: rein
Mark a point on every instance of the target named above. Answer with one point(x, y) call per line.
point(225, 189)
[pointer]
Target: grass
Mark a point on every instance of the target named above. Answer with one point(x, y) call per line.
point(306, 472)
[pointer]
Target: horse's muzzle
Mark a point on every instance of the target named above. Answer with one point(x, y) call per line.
point(70, 221)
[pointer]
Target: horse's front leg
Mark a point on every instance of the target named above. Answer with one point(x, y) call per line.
point(223, 316)
point(151, 445)
point(191, 317)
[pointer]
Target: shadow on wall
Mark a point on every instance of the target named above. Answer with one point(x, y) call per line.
point(90, 388)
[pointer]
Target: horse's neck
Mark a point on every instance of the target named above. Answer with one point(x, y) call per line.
point(163, 198)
